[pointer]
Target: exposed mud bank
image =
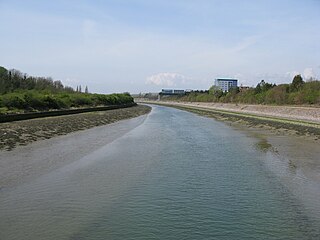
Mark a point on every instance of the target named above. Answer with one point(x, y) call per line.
point(277, 125)
point(24, 132)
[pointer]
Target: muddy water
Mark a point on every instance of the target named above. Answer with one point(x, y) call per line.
point(175, 175)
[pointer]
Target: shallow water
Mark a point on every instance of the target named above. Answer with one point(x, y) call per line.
point(176, 176)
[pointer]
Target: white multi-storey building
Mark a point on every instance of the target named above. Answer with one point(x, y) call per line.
point(226, 84)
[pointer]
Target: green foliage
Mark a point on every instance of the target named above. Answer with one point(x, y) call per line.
point(215, 91)
point(263, 87)
point(32, 100)
point(14, 100)
point(13, 80)
point(297, 83)
point(19, 92)
point(311, 92)
point(298, 92)
point(3, 71)
point(277, 95)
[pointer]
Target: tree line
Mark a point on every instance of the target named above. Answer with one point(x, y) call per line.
point(20, 92)
point(296, 92)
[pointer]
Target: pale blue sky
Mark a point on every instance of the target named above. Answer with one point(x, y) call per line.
point(145, 45)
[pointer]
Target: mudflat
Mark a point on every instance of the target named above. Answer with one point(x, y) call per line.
point(279, 124)
point(24, 132)
point(291, 112)
point(24, 163)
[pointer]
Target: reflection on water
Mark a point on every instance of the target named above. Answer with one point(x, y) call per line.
point(176, 176)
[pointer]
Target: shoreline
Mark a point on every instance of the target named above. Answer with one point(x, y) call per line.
point(309, 114)
point(24, 163)
point(293, 162)
point(21, 133)
point(52, 113)
point(296, 146)
point(275, 124)
point(292, 154)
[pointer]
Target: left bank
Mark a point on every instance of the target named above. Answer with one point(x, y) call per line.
point(42, 114)
point(17, 133)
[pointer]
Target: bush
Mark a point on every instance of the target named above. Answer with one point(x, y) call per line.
point(44, 100)
point(277, 95)
point(79, 100)
point(34, 101)
point(311, 92)
point(14, 100)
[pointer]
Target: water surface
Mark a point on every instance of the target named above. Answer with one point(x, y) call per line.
point(176, 176)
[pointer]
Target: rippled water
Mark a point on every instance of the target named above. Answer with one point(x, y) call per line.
point(176, 176)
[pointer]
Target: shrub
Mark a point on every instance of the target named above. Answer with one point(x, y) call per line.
point(14, 100)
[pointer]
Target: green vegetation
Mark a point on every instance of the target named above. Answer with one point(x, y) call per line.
point(19, 92)
point(298, 92)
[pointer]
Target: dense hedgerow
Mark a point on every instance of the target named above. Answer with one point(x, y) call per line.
point(19, 92)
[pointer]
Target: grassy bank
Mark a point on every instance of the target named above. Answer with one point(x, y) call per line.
point(24, 132)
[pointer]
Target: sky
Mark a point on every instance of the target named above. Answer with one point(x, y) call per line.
point(146, 45)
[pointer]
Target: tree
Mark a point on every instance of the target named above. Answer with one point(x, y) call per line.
point(3, 71)
point(3, 80)
point(263, 87)
point(297, 83)
point(79, 88)
point(86, 90)
point(215, 91)
point(258, 88)
point(58, 84)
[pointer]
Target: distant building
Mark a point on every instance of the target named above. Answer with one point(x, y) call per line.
point(175, 91)
point(172, 92)
point(226, 84)
point(243, 88)
point(167, 91)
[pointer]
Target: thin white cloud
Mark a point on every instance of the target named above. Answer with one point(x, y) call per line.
point(291, 75)
point(167, 79)
point(71, 81)
point(308, 73)
point(246, 43)
point(105, 49)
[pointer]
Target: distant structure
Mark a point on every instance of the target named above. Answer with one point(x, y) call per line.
point(243, 88)
point(226, 84)
point(172, 92)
